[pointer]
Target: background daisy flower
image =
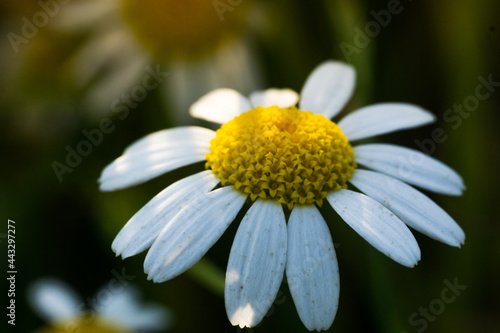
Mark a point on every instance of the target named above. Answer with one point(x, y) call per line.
point(114, 309)
point(286, 161)
point(196, 49)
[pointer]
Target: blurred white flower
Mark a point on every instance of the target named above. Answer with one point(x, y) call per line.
point(114, 308)
point(187, 39)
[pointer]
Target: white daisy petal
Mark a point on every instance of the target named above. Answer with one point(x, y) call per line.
point(411, 166)
point(281, 97)
point(132, 170)
point(220, 106)
point(53, 300)
point(124, 307)
point(197, 136)
point(143, 228)
point(311, 269)
point(377, 225)
point(383, 118)
point(149, 157)
point(413, 207)
point(256, 263)
point(328, 88)
point(191, 233)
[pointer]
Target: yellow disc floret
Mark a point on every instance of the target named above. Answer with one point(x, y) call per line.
point(285, 154)
point(84, 325)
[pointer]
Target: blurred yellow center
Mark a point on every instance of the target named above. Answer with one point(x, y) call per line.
point(285, 154)
point(84, 325)
point(179, 29)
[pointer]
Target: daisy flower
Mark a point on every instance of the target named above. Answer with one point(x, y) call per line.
point(114, 309)
point(283, 160)
point(181, 41)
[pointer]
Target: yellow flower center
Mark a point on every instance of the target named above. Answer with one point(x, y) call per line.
point(285, 154)
point(178, 29)
point(84, 325)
